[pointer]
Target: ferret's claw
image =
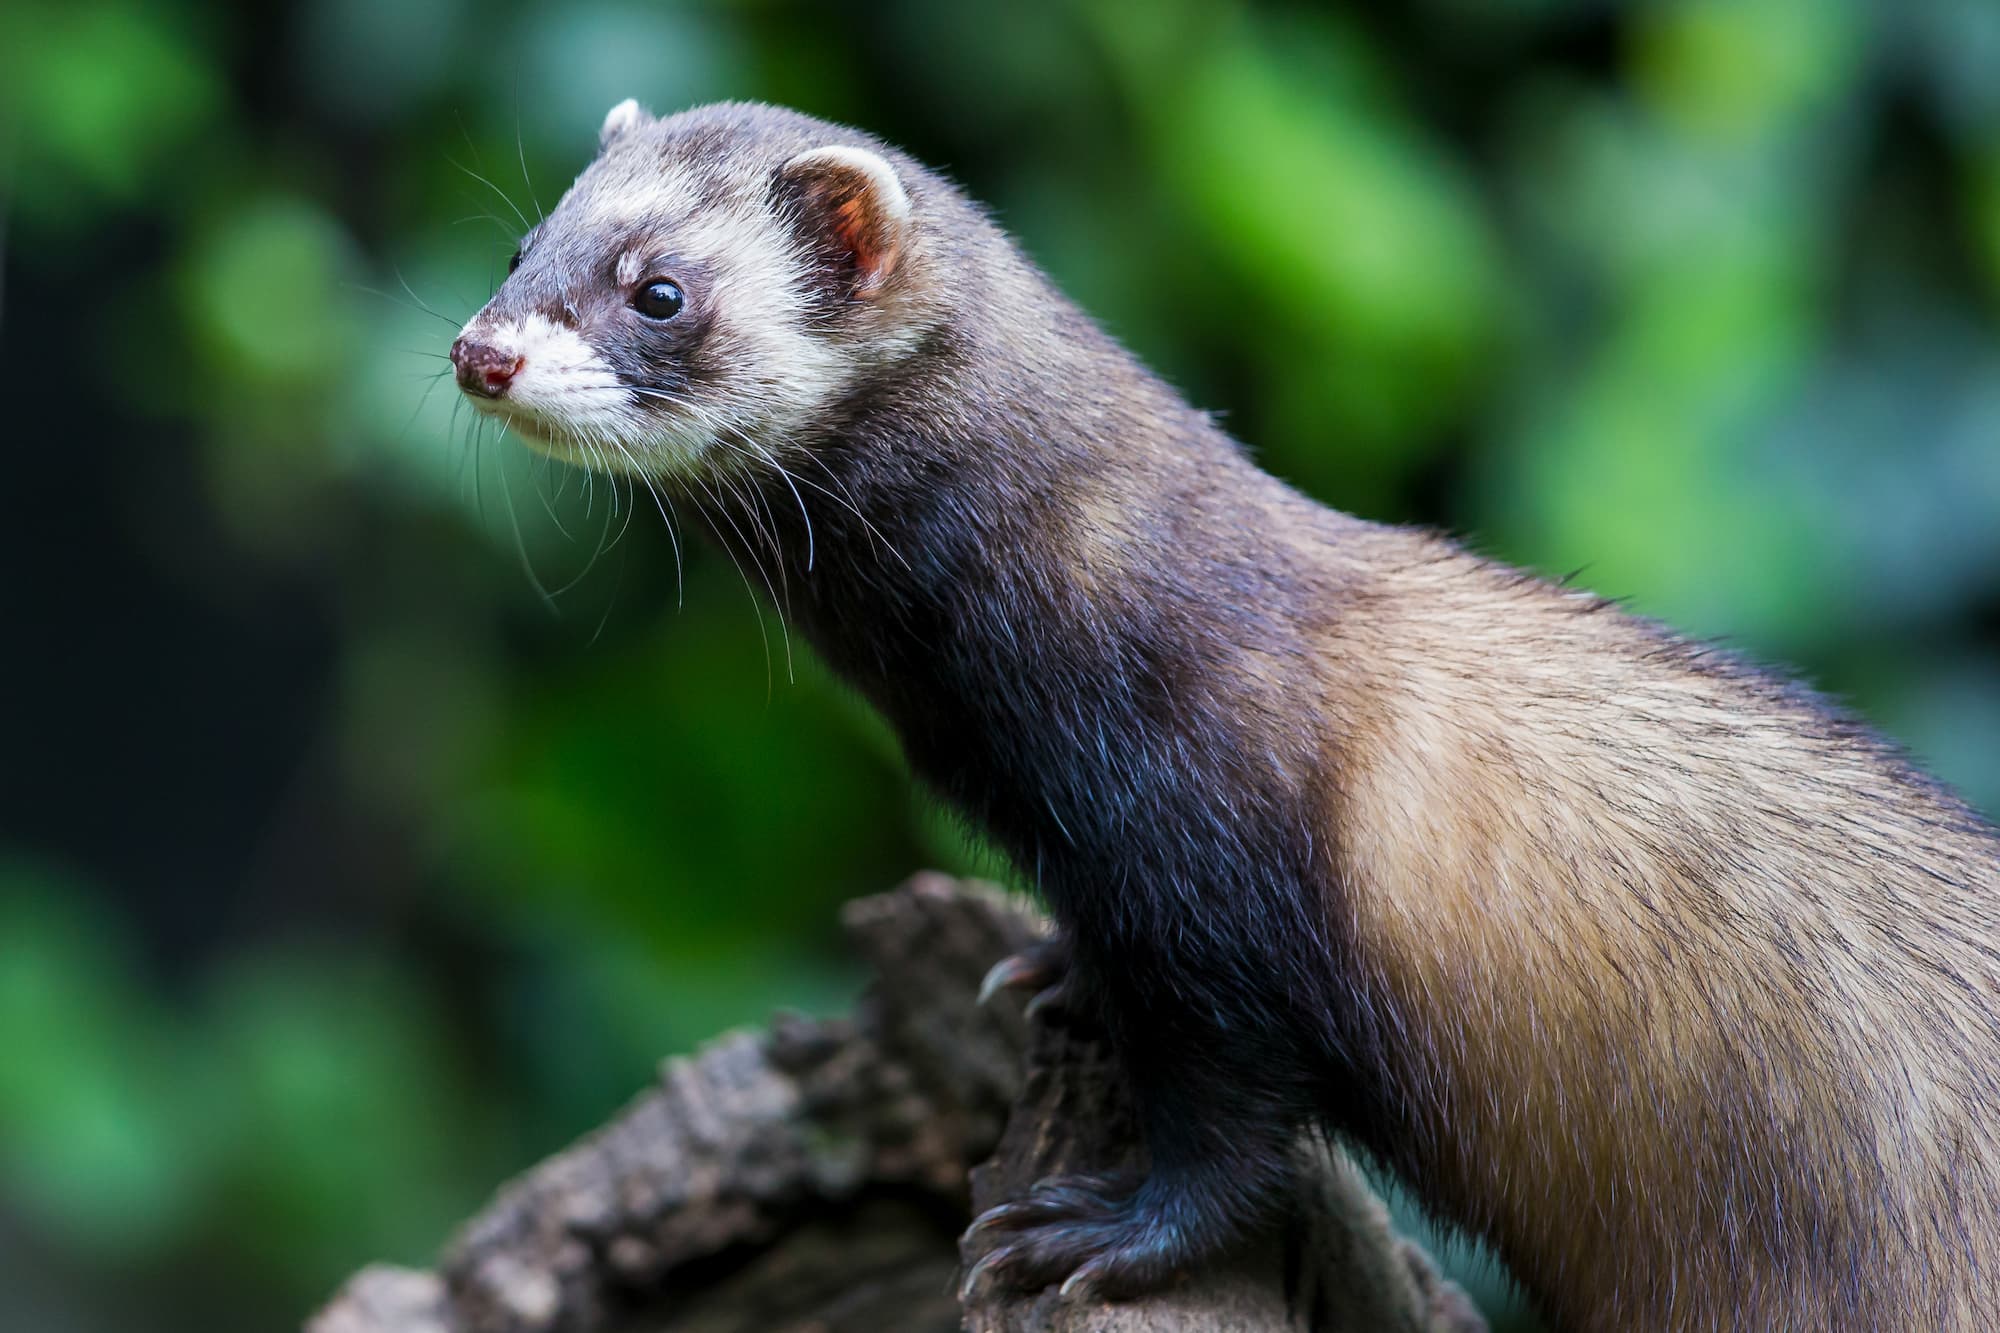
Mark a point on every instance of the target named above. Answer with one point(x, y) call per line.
point(1011, 972)
point(975, 1274)
point(1050, 999)
point(1089, 1234)
point(1039, 967)
point(1083, 1280)
point(1002, 1217)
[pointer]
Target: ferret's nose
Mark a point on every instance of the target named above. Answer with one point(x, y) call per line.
point(483, 368)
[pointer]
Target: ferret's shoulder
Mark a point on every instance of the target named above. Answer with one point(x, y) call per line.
point(1438, 590)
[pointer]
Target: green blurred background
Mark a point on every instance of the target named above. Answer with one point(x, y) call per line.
point(342, 872)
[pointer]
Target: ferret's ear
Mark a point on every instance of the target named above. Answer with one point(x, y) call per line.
point(855, 210)
point(619, 119)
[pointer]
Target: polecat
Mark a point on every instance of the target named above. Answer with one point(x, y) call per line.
point(1655, 970)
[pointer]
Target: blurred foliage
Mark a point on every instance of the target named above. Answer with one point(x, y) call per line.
point(382, 805)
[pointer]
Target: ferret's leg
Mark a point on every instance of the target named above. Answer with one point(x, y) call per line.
point(1221, 1155)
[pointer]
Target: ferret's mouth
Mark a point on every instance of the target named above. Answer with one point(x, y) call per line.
point(529, 427)
point(540, 435)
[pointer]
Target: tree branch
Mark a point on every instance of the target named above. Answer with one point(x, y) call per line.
point(814, 1177)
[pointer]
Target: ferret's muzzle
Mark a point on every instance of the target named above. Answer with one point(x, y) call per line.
point(483, 369)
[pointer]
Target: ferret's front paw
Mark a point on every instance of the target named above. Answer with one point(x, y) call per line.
point(1087, 1232)
point(1042, 968)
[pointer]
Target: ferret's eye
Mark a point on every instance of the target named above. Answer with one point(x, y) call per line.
point(515, 262)
point(659, 300)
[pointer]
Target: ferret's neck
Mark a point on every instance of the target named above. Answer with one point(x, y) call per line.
point(1095, 627)
point(1002, 499)
point(1039, 557)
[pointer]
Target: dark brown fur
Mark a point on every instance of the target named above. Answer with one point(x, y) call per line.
point(1654, 970)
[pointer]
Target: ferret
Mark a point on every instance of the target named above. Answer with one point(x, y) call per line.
point(1656, 971)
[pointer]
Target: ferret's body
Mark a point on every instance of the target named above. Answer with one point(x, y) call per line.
point(1677, 986)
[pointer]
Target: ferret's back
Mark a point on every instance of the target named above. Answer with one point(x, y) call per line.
point(1702, 966)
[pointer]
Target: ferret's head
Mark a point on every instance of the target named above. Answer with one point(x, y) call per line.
point(707, 288)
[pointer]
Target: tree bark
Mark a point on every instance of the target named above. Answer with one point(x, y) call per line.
point(814, 1178)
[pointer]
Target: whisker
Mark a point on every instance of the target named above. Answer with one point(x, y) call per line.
point(475, 438)
point(764, 525)
point(521, 546)
point(504, 197)
point(505, 229)
point(549, 509)
point(780, 595)
point(843, 497)
point(450, 430)
point(422, 304)
point(617, 582)
point(631, 507)
point(422, 400)
point(413, 303)
point(680, 580)
point(812, 548)
point(763, 634)
point(751, 449)
point(589, 564)
point(521, 152)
